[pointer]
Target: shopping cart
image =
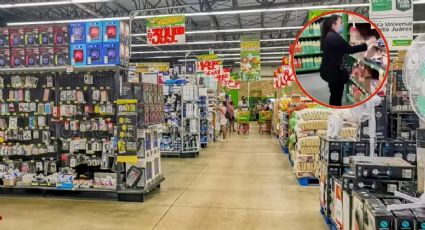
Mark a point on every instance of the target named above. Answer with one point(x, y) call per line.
point(265, 122)
point(243, 118)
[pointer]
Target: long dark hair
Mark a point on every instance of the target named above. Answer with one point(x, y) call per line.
point(327, 27)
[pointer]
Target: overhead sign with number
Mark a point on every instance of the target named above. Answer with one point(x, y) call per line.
point(395, 19)
point(209, 64)
point(162, 31)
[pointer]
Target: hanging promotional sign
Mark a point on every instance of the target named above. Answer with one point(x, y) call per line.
point(233, 82)
point(162, 31)
point(283, 75)
point(395, 19)
point(224, 76)
point(250, 59)
point(151, 67)
point(209, 64)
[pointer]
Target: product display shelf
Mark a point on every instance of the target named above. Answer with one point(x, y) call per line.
point(359, 85)
point(374, 66)
point(204, 123)
point(61, 69)
point(304, 70)
point(83, 98)
point(308, 36)
point(307, 54)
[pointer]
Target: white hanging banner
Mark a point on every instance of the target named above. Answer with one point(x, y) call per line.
point(395, 19)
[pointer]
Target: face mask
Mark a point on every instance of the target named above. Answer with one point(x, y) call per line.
point(341, 29)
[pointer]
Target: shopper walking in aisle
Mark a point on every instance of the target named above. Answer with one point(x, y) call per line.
point(222, 109)
point(243, 104)
point(333, 68)
point(231, 112)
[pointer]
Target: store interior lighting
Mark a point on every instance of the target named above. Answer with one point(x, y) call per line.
point(54, 3)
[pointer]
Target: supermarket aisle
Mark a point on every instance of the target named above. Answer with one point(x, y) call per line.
point(244, 183)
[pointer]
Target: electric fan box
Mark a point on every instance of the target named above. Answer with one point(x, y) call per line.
point(45, 35)
point(46, 56)
point(16, 37)
point(95, 54)
point(116, 31)
point(94, 32)
point(382, 168)
point(17, 57)
point(112, 53)
point(60, 35)
point(77, 33)
point(61, 55)
point(32, 56)
point(31, 36)
point(4, 58)
point(78, 54)
point(4, 37)
point(376, 215)
point(357, 213)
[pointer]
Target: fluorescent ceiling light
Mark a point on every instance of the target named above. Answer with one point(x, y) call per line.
point(207, 50)
point(54, 3)
point(277, 9)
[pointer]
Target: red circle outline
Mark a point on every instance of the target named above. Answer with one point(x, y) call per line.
point(292, 53)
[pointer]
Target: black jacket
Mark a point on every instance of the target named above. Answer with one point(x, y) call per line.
point(334, 49)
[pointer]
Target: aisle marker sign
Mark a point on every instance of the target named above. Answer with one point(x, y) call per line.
point(395, 19)
point(162, 31)
point(209, 64)
point(250, 58)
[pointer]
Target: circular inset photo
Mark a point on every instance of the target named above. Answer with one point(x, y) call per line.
point(340, 59)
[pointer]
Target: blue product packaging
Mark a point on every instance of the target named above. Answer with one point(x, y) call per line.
point(77, 33)
point(78, 54)
point(111, 31)
point(94, 32)
point(95, 54)
point(111, 53)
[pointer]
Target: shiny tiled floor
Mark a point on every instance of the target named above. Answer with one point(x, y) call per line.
point(243, 183)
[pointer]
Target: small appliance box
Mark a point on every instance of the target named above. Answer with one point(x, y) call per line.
point(95, 54)
point(60, 35)
point(94, 32)
point(4, 58)
point(61, 55)
point(46, 56)
point(403, 219)
point(17, 57)
point(116, 31)
point(78, 54)
point(31, 36)
point(77, 33)
point(45, 35)
point(376, 216)
point(4, 37)
point(111, 52)
point(16, 37)
point(32, 56)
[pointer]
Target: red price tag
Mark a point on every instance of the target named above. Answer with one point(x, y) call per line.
point(165, 35)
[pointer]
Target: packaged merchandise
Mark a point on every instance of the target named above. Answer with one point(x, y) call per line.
point(111, 52)
point(5, 58)
point(376, 215)
point(16, 37)
point(61, 55)
point(17, 57)
point(79, 54)
point(403, 219)
point(4, 37)
point(115, 31)
point(94, 32)
point(382, 168)
point(31, 36)
point(46, 56)
point(95, 54)
point(45, 35)
point(60, 35)
point(77, 33)
point(32, 57)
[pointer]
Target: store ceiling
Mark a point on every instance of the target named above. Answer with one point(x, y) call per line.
point(119, 8)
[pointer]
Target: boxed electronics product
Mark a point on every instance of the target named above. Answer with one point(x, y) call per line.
point(347, 150)
point(419, 214)
point(376, 215)
point(105, 180)
point(94, 32)
point(16, 37)
point(45, 35)
point(357, 212)
point(381, 116)
point(77, 33)
point(61, 55)
point(31, 36)
point(78, 54)
point(332, 151)
point(94, 54)
point(17, 57)
point(46, 56)
point(383, 186)
point(403, 219)
point(4, 37)
point(382, 168)
point(347, 203)
point(337, 210)
point(115, 31)
point(111, 52)
point(410, 154)
point(4, 58)
point(60, 35)
point(32, 56)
